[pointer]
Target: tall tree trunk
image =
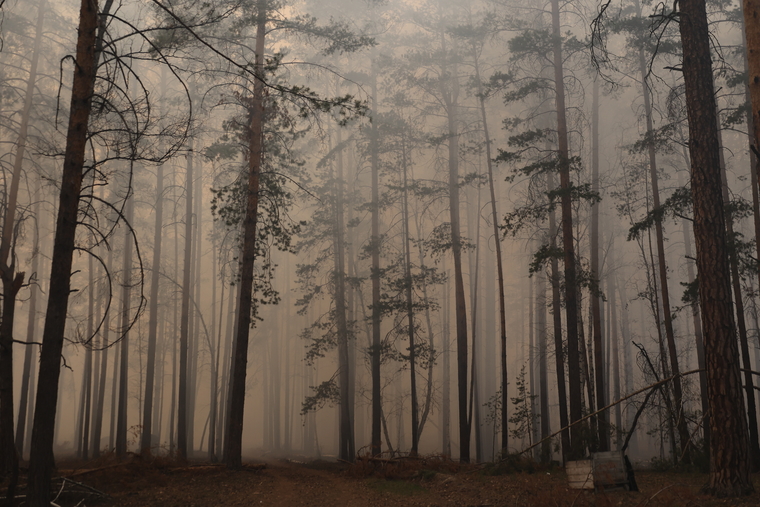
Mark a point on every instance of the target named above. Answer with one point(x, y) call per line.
point(741, 324)
point(234, 438)
point(97, 419)
point(183, 393)
point(375, 352)
point(83, 429)
point(729, 457)
point(31, 329)
point(41, 463)
point(450, 91)
point(559, 354)
point(751, 12)
point(147, 422)
point(614, 348)
point(662, 269)
point(121, 418)
point(12, 281)
point(409, 304)
point(543, 380)
point(446, 389)
point(577, 444)
point(595, 295)
point(347, 449)
point(698, 337)
point(499, 265)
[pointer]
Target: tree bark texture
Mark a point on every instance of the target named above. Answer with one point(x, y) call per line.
point(729, 459)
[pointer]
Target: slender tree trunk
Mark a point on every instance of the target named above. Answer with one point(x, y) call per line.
point(499, 265)
point(450, 93)
point(577, 448)
point(87, 380)
point(31, 329)
point(741, 324)
point(409, 304)
point(41, 463)
point(614, 350)
point(234, 438)
point(11, 280)
point(184, 332)
point(97, 422)
point(347, 449)
point(543, 380)
point(729, 456)
point(147, 422)
point(121, 418)
point(683, 431)
point(375, 352)
point(595, 295)
point(446, 389)
point(559, 349)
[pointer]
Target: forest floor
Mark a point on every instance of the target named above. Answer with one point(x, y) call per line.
point(424, 482)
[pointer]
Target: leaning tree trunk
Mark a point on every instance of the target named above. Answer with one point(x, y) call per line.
point(41, 462)
point(234, 438)
point(729, 457)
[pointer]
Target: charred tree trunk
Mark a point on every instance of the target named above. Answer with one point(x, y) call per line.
point(41, 463)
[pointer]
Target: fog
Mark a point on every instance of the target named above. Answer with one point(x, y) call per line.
point(372, 128)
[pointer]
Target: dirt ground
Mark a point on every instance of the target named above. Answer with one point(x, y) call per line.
point(428, 482)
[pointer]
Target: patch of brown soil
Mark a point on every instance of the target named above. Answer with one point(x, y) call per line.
point(431, 482)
